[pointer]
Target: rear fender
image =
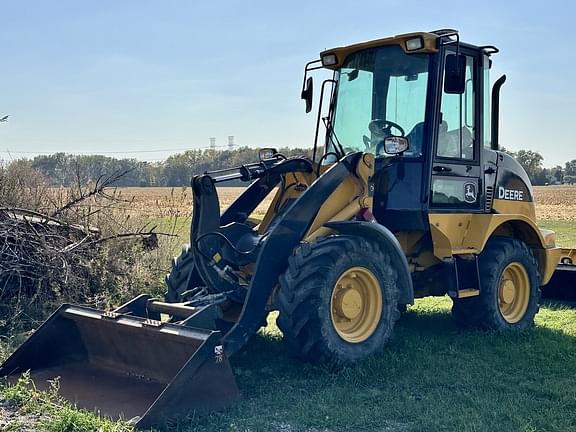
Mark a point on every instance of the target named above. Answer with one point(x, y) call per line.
point(468, 233)
point(388, 243)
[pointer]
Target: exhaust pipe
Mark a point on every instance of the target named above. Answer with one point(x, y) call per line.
point(124, 366)
point(495, 144)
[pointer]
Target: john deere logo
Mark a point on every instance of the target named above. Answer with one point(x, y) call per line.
point(470, 192)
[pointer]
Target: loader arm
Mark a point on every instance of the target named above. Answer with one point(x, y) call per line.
point(229, 239)
point(287, 233)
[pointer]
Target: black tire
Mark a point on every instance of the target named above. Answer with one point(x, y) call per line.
point(178, 280)
point(304, 298)
point(483, 311)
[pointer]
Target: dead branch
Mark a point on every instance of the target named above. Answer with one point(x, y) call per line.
point(99, 187)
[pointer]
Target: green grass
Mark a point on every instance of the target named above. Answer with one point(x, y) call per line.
point(431, 377)
point(565, 232)
point(46, 411)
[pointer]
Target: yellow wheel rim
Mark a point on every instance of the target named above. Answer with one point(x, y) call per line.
point(356, 304)
point(514, 292)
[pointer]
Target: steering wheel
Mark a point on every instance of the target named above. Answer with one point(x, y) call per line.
point(382, 128)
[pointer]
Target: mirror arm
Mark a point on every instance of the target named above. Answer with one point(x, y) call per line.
point(320, 116)
point(308, 68)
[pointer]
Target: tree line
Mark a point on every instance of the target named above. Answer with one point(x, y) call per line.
point(63, 169)
point(532, 162)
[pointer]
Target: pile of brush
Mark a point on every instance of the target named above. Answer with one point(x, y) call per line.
point(37, 250)
point(63, 245)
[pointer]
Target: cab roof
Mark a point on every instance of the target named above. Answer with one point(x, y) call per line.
point(429, 45)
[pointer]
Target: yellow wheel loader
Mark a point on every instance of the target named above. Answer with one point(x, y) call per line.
point(406, 196)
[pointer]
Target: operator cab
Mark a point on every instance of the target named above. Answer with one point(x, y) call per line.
point(381, 93)
point(420, 103)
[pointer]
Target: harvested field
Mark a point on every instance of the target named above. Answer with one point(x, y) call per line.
point(553, 203)
point(169, 202)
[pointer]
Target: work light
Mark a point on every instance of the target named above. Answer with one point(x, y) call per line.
point(329, 60)
point(414, 44)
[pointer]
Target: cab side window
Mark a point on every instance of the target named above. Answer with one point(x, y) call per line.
point(457, 128)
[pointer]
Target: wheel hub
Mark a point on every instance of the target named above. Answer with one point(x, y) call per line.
point(514, 292)
point(356, 304)
point(508, 291)
point(349, 303)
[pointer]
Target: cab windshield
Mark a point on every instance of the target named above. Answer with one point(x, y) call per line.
point(381, 92)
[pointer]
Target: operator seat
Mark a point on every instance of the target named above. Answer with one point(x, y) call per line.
point(416, 139)
point(449, 142)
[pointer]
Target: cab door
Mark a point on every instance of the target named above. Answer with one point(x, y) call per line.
point(456, 180)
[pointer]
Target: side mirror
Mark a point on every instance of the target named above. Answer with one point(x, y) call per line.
point(308, 93)
point(455, 74)
point(395, 145)
point(267, 153)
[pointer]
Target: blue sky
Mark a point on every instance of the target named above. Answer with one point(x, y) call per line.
point(132, 76)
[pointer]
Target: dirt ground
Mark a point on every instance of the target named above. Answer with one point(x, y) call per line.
point(555, 203)
point(12, 419)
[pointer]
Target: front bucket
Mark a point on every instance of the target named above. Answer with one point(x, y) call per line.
point(562, 286)
point(128, 367)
